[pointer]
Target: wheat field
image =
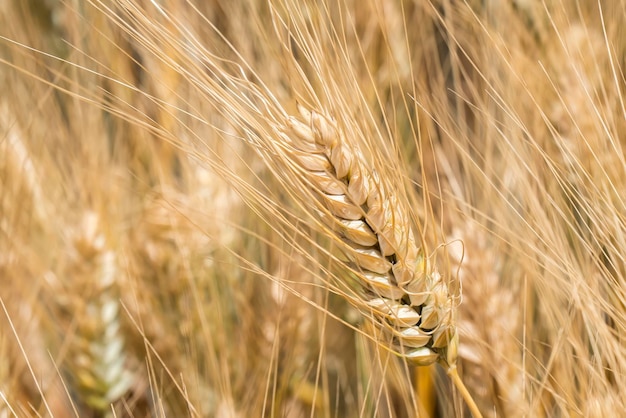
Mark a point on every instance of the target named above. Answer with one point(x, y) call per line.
point(314, 208)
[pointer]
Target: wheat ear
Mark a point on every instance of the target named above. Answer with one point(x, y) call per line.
point(488, 325)
point(96, 350)
point(380, 243)
point(407, 295)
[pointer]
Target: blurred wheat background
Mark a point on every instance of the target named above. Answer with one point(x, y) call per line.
point(162, 256)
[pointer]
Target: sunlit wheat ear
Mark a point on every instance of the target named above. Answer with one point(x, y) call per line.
point(401, 289)
point(90, 319)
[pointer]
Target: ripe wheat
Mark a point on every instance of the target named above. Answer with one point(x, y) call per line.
point(401, 287)
point(519, 103)
point(96, 362)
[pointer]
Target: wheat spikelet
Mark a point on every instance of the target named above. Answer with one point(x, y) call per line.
point(96, 360)
point(401, 288)
point(488, 326)
point(167, 264)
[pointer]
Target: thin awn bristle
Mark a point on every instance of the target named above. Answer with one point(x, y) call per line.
point(402, 290)
point(4, 378)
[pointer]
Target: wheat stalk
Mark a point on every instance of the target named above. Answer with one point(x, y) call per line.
point(5, 389)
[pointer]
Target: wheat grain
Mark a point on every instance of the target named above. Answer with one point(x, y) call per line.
point(401, 288)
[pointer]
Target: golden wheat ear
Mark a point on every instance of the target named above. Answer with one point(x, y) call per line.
point(404, 292)
point(88, 304)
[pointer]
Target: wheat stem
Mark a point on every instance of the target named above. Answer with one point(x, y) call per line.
point(458, 383)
